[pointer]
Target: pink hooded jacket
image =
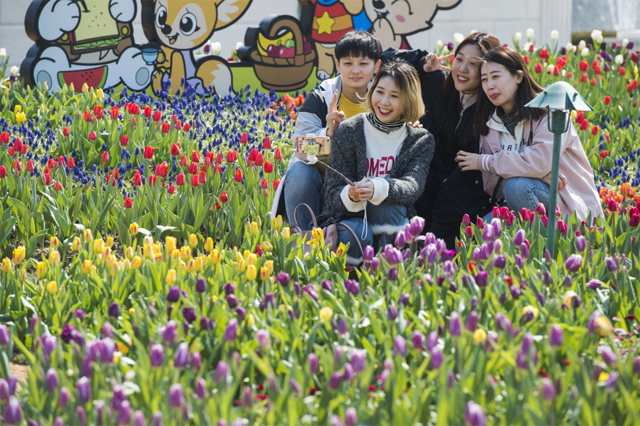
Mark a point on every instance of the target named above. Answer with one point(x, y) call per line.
point(534, 161)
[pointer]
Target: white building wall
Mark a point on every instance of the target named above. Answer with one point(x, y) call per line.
point(500, 17)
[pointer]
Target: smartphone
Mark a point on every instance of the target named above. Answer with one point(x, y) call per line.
point(313, 145)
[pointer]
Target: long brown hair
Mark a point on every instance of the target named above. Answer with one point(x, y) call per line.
point(528, 89)
point(485, 42)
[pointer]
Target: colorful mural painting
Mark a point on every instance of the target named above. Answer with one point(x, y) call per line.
point(90, 42)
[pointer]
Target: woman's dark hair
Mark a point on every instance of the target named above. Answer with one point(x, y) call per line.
point(447, 127)
point(528, 89)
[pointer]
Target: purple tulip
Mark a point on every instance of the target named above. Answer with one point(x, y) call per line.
point(515, 291)
point(416, 225)
point(157, 355)
point(114, 310)
point(354, 287)
point(524, 252)
point(608, 356)
point(519, 238)
point(612, 264)
point(527, 342)
point(581, 243)
point(12, 412)
point(5, 336)
point(472, 321)
point(189, 314)
point(393, 255)
point(295, 386)
point(612, 380)
point(574, 262)
point(547, 278)
point(417, 339)
point(4, 390)
point(432, 340)
point(401, 240)
point(247, 397)
point(358, 360)
point(222, 370)
point(349, 372)
point(455, 328)
point(473, 415)
point(201, 285)
point(392, 275)
point(635, 368)
point(81, 415)
point(351, 417)
point(174, 294)
point(138, 419)
point(64, 397)
point(373, 267)
point(241, 313)
point(481, 278)
point(176, 396)
point(118, 397)
point(201, 388)
point(487, 234)
point(342, 326)
point(52, 380)
point(313, 362)
point(541, 298)
point(392, 313)
point(156, 419)
point(499, 261)
point(382, 381)
point(335, 421)
point(263, 338)
point(181, 357)
point(196, 361)
point(231, 332)
point(58, 421)
point(107, 349)
point(84, 389)
point(124, 413)
point(368, 254)
point(594, 284)
point(327, 286)
point(556, 335)
point(335, 380)
point(283, 279)
point(436, 357)
point(548, 390)
point(232, 301)
point(399, 346)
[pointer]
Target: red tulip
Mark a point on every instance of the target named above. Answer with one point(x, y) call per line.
point(162, 169)
point(172, 189)
point(51, 163)
point(203, 177)
point(622, 71)
point(153, 179)
point(3, 172)
point(244, 138)
point(157, 116)
point(97, 111)
point(124, 140)
point(584, 125)
point(71, 163)
point(580, 117)
point(607, 137)
point(57, 186)
point(195, 181)
point(30, 166)
point(593, 82)
point(259, 160)
point(18, 145)
point(183, 161)
point(92, 136)
point(195, 156)
point(526, 59)
point(17, 166)
point(584, 78)
point(47, 178)
point(634, 216)
point(178, 124)
point(238, 175)
point(104, 157)
point(186, 126)
point(532, 48)
point(584, 66)
point(612, 205)
point(87, 116)
point(594, 130)
point(219, 158)
point(218, 170)
point(134, 109)
point(266, 143)
point(12, 152)
point(128, 203)
point(115, 111)
point(175, 149)
point(147, 111)
point(166, 127)
point(137, 179)
point(230, 156)
point(264, 183)
point(224, 197)
point(193, 168)
point(276, 184)
point(278, 155)
point(604, 154)
point(208, 159)
point(217, 204)
point(544, 54)
point(65, 132)
point(180, 179)
point(148, 152)
point(537, 68)
point(607, 100)
point(268, 167)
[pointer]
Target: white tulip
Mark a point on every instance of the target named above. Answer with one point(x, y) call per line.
point(530, 33)
point(445, 50)
point(584, 51)
point(239, 45)
point(14, 70)
point(458, 37)
point(570, 47)
point(625, 42)
point(439, 44)
point(582, 44)
point(596, 35)
point(554, 35)
point(517, 36)
point(527, 46)
point(216, 47)
point(619, 59)
point(3, 52)
point(550, 68)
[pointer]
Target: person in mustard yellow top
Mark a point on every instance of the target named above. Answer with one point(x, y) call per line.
point(331, 102)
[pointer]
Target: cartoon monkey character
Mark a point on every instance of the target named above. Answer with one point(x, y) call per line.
point(394, 20)
point(331, 20)
point(83, 41)
point(181, 27)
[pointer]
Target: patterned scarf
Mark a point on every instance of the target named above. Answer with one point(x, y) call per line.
point(510, 120)
point(382, 126)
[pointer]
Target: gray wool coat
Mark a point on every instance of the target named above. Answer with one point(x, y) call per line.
point(349, 156)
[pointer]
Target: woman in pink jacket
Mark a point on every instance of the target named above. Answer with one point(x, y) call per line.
point(516, 145)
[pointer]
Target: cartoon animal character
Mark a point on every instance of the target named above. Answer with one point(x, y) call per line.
point(181, 27)
point(394, 20)
point(84, 41)
point(331, 20)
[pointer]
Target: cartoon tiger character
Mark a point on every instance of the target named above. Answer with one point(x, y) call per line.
point(181, 27)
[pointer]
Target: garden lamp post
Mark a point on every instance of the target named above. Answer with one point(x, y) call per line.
point(559, 98)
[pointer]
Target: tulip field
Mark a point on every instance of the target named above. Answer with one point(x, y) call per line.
point(143, 282)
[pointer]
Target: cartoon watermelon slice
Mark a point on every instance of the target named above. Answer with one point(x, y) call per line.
point(94, 77)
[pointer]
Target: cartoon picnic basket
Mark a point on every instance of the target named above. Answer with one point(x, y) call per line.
point(281, 56)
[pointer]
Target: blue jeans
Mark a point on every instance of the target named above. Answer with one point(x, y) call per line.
point(303, 185)
point(526, 193)
point(383, 222)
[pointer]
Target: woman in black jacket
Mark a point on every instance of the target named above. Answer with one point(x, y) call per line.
point(450, 102)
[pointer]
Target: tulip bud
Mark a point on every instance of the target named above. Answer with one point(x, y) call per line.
point(556, 335)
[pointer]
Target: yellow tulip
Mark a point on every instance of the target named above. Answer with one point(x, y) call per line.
point(133, 228)
point(267, 247)
point(86, 234)
point(21, 117)
point(242, 265)
point(269, 265)
point(479, 336)
point(317, 234)
point(250, 321)
point(18, 108)
point(264, 273)
point(251, 258)
point(109, 242)
point(100, 93)
point(6, 265)
point(568, 297)
point(52, 287)
point(214, 298)
point(136, 262)
point(54, 257)
point(185, 252)
point(325, 313)
point(86, 267)
point(175, 254)
point(251, 273)
point(98, 245)
point(85, 88)
point(199, 262)
point(171, 276)
point(193, 240)
point(286, 233)
point(122, 348)
point(342, 251)
point(41, 269)
point(76, 244)
point(23, 274)
point(531, 309)
point(55, 242)
point(117, 355)
point(19, 254)
point(252, 228)
point(191, 265)
point(129, 252)
point(148, 239)
point(132, 311)
point(208, 244)
point(276, 222)
point(113, 269)
point(215, 256)
point(603, 325)
point(170, 244)
point(147, 250)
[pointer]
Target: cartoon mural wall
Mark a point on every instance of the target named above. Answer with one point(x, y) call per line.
point(91, 42)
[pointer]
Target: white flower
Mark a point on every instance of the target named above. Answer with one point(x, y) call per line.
point(445, 50)
point(439, 44)
point(216, 47)
point(14, 70)
point(3, 52)
point(625, 43)
point(554, 35)
point(571, 47)
point(530, 33)
point(458, 37)
point(596, 35)
point(517, 36)
point(582, 44)
point(550, 68)
point(619, 59)
point(585, 51)
point(239, 45)
point(527, 46)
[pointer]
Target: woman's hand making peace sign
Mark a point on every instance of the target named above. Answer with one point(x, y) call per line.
point(434, 63)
